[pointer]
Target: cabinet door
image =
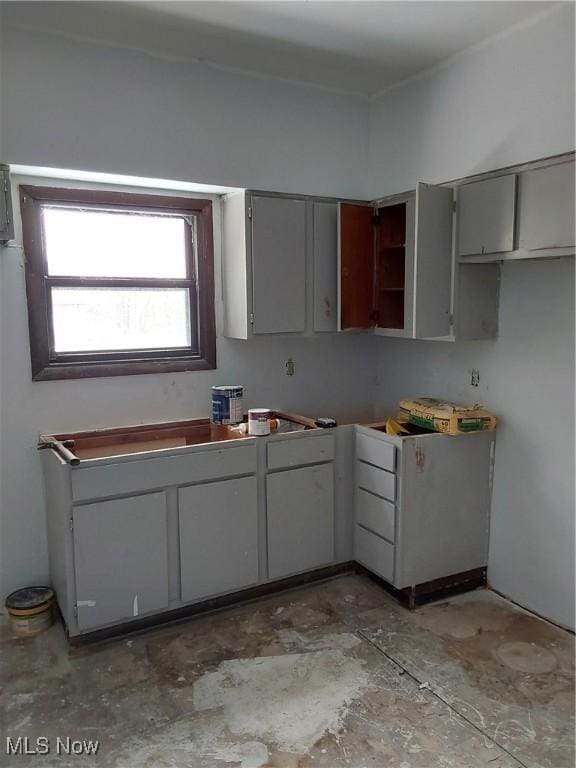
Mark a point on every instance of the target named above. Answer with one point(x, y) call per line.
point(218, 525)
point(300, 515)
point(325, 254)
point(486, 211)
point(433, 261)
point(120, 559)
point(278, 265)
point(546, 208)
point(356, 265)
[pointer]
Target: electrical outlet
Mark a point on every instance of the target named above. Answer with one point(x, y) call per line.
point(475, 378)
point(289, 367)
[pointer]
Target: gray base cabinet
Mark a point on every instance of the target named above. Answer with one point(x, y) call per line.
point(422, 504)
point(218, 532)
point(300, 518)
point(137, 535)
point(120, 559)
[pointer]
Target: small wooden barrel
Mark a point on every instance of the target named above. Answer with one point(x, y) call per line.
point(31, 610)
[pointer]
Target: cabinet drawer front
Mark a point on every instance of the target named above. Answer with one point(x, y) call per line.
point(306, 450)
point(375, 514)
point(134, 476)
point(376, 480)
point(374, 553)
point(377, 452)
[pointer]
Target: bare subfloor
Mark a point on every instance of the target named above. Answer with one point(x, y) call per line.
point(334, 674)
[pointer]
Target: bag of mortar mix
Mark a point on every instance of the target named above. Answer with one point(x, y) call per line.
point(443, 416)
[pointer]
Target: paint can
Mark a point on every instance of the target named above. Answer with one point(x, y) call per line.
point(31, 610)
point(259, 421)
point(227, 405)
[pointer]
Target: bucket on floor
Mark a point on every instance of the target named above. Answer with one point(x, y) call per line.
point(31, 610)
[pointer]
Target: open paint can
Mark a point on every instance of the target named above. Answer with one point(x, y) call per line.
point(31, 610)
point(227, 405)
point(259, 421)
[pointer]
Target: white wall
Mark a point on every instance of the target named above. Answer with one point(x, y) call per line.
point(68, 104)
point(509, 102)
point(506, 102)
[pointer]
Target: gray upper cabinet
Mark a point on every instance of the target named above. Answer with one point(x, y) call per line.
point(546, 209)
point(279, 265)
point(278, 247)
point(218, 525)
point(300, 519)
point(433, 261)
point(120, 559)
point(486, 216)
point(325, 257)
point(396, 264)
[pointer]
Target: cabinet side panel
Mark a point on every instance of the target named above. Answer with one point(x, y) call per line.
point(445, 506)
point(433, 261)
point(478, 288)
point(325, 254)
point(356, 249)
point(58, 496)
point(235, 284)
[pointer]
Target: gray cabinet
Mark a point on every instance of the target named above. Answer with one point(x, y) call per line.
point(426, 515)
point(486, 216)
point(120, 559)
point(396, 264)
point(279, 265)
point(325, 262)
point(218, 532)
point(546, 209)
point(278, 246)
point(300, 519)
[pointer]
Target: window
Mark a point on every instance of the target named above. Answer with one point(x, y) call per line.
point(117, 283)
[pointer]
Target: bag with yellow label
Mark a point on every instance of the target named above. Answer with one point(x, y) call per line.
point(443, 416)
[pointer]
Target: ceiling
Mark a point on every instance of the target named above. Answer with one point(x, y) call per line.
point(360, 47)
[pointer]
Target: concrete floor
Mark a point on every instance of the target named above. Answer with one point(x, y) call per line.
point(334, 674)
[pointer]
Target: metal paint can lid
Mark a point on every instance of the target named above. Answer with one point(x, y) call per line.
point(29, 599)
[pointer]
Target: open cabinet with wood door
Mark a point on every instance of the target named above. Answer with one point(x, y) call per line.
point(396, 264)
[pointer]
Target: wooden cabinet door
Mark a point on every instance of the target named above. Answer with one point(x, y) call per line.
point(356, 265)
point(120, 559)
point(433, 261)
point(278, 246)
point(218, 525)
point(486, 216)
point(325, 256)
point(300, 516)
point(546, 208)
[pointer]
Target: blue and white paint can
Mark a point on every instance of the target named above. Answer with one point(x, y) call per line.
point(227, 405)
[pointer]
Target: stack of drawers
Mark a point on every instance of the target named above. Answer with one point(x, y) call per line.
point(375, 497)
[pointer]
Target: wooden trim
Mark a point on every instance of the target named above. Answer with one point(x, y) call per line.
point(47, 364)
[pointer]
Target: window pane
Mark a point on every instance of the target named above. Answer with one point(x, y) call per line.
point(96, 319)
point(106, 244)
